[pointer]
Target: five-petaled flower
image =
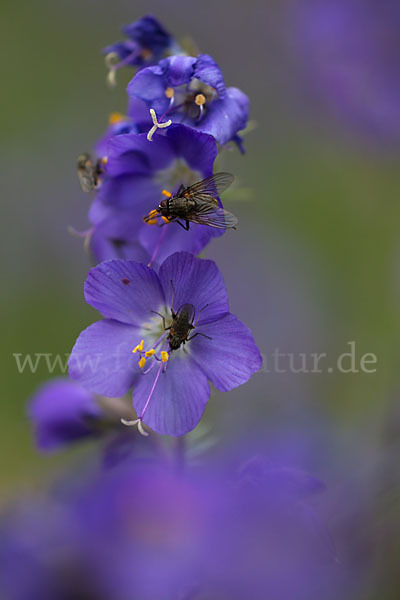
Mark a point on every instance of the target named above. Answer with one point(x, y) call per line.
point(166, 336)
point(192, 90)
point(137, 172)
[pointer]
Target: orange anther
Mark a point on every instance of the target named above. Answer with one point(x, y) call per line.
point(116, 117)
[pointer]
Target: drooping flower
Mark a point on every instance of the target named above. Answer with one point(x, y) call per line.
point(191, 90)
point(62, 411)
point(148, 41)
point(164, 335)
point(137, 172)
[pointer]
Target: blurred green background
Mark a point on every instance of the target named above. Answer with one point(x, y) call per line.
point(314, 265)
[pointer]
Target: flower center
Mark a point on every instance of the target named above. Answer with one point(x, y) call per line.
point(171, 330)
point(192, 99)
point(176, 174)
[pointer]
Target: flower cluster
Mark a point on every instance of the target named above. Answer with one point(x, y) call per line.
point(167, 331)
point(143, 530)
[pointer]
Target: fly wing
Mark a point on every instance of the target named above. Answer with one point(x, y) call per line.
point(213, 216)
point(186, 313)
point(209, 189)
point(87, 180)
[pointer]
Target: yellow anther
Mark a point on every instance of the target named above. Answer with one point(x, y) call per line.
point(200, 99)
point(164, 356)
point(166, 193)
point(165, 219)
point(151, 221)
point(146, 54)
point(152, 214)
point(150, 352)
point(104, 160)
point(169, 92)
point(142, 362)
point(138, 347)
point(116, 117)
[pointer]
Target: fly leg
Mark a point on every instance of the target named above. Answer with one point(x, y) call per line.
point(198, 333)
point(186, 226)
point(163, 319)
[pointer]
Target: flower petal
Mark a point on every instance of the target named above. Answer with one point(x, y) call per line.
point(102, 359)
point(116, 237)
point(124, 290)
point(198, 149)
point(230, 357)
point(126, 191)
point(149, 85)
point(195, 281)
point(176, 238)
point(133, 153)
point(62, 411)
point(179, 398)
point(227, 116)
point(208, 71)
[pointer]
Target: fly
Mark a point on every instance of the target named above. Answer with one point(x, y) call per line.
point(197, 203)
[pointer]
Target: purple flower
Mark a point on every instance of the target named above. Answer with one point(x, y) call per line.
point(192, 90)
point(166, 335)
point(148, 41)
point(118, 124)
point(351, 53)
point(62, 412)
point(137, 172)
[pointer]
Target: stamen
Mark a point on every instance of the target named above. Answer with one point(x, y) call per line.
point(138, 347)
point(167, 194)
point(142, 362)
point(165, 219)
point(150, 352)
point(111, 64)
point(164, 356)
point(137, 422)
point(156, 125)
point(115, 117)
point(146, 54)
point(169, 92)
point(151, 218)
point(200, 99)
point(104, 160)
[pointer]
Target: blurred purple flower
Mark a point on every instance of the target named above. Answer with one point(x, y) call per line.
point(169, 395)
point(148, 41)
point(145, 531)
point(351, 49)
point(118, 124)
point(62, 412)
point(137, 171)
point(192, 90)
